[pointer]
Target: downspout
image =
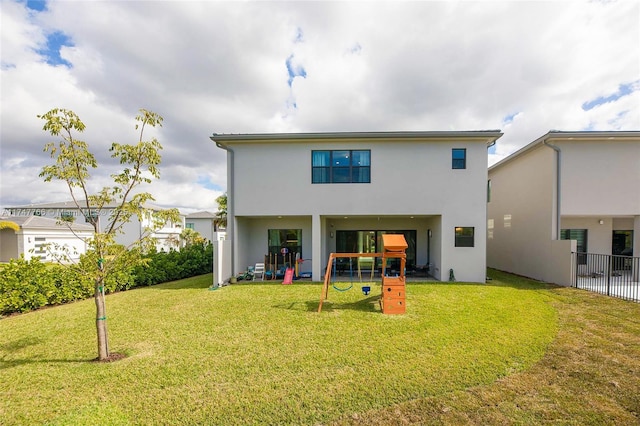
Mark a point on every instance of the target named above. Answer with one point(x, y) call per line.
point(230, 200)
point(558, 185)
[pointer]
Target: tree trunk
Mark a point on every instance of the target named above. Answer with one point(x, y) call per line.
point(101, 321)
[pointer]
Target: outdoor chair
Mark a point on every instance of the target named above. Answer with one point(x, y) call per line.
point(258, 270)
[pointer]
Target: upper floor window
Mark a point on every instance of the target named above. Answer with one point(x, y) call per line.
point(68, 216)
point(459, 158)
point(341, 166)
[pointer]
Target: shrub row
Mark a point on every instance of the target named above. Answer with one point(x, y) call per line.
point(196, 259)
point(28, 285)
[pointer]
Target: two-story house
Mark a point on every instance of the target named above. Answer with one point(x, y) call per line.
point(166, 238)
point(204, 223)
point(564, 186)
point(312, 194)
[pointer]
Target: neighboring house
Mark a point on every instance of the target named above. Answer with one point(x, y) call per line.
point(166, 238)
point(40, 237)
point(204, 223)
point(580, 186)
point(317, 193)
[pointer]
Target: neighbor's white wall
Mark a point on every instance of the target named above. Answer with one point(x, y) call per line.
point(522, 211)
point(599, 237)
point(76, 245)
point(600, 178)
point(203, 226)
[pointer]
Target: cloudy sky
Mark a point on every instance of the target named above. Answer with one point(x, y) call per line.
point(260, 67)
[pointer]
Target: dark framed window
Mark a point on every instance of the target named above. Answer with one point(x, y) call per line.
point(370, 241)
point(459, 158)
point(341, 166)
point(68, 216)
point(284, 244)
point(580, 235)
point(465, 236)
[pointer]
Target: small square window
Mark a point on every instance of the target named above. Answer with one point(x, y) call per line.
point(459, 158)
point(465, 236)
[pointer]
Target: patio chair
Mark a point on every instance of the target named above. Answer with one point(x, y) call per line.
point(258, 270)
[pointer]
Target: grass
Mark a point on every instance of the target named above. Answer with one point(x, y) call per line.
point(513, 351)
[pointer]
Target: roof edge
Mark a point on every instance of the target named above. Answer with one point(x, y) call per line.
point(568, 135)
point(223, 138)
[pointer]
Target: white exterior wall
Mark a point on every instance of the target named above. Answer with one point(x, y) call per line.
point(203, 226)
point(131, 230)
point(408, 178)
point(521, 214)
point(41, 242)
point(600, 178)
point(599, 182)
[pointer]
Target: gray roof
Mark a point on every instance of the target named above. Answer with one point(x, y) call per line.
point(558, 135)
point(488, 136)
point(201, 215)
point(71, 205)
point(37, 222)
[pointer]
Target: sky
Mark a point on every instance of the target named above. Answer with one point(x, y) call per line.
point(524, 67)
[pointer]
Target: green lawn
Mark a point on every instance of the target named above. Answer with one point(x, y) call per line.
point(261, 354)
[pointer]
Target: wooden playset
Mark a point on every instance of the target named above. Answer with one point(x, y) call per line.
point(393, 297)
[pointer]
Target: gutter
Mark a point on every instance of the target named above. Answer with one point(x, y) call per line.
point(230, 199)
point(558, 184)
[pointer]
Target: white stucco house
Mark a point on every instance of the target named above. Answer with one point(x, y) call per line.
point(564, 192)
point(203, 223)
point(318, 193)
point(166, 238)
point(40, 237)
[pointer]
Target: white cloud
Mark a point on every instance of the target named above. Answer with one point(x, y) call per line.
point(222, 67)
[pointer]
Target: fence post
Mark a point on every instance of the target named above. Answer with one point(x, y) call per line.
point(609, 270)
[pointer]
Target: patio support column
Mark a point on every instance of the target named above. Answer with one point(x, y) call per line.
point(316, 248)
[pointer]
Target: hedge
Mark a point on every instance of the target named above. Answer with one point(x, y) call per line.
point(28, 285)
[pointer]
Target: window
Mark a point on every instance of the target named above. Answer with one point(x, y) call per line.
point(91, 216)
point(459, 158)
point(580, 235)
point(68, 216)
point(370, 241)
point(189, 225)
point(341, 166)
point(465, 236)
point(289, 239)
point(622, 245)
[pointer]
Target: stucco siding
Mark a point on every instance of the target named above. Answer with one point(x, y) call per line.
point(520, 213)
point(600, 178)
point(255, 231)
point(412, 187)
point(9, 246)
point(406, 178)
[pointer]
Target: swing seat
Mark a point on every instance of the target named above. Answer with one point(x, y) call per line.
point(366, 289)
point(343, 289)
